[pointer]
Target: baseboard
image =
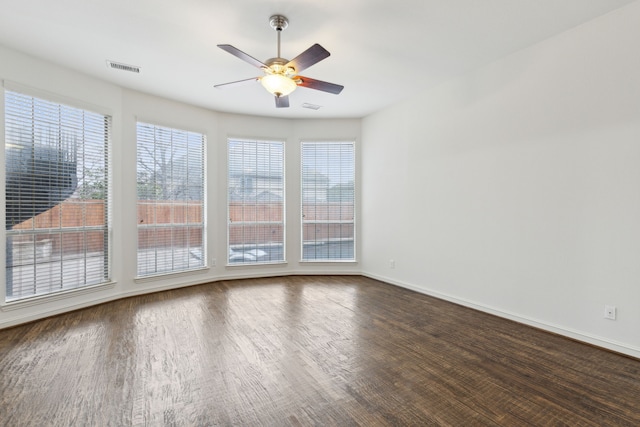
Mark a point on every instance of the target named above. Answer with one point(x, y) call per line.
point(556, 329)
point(549, 327)
point(43, 313)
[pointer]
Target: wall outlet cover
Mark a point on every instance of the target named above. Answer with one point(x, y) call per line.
point(610, 312)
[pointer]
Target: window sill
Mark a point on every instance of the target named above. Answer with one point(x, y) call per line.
point(43, 299)
point(158, 276)
point(330, 261)
point(254, 264)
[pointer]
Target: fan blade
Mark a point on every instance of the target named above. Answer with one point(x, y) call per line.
point(309, 57)
point(237, 83)
point(282, 101)
point(318, 85)
point(240, 54)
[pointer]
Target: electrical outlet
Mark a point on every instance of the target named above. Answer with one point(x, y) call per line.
point(392, 263)
point(213, 262)
point(610, 312)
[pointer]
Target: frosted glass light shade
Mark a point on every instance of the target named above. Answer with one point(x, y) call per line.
point(278, 85)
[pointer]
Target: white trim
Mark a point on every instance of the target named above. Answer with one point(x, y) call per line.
point(137, 292)
point(56, 98)
point(168, 125)
point(37, 301)
point(253, 264)
point(546, 326)
point(354, 222)
point(228, 222)
point(171, 274)
point(171, 225)
point(3, 201)
point(328, 261)
point(55, 102)
point(288, 274)
point(54, 296)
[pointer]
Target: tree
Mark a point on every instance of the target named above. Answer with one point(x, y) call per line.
point(93, 184)
point(341, 193)
point(169, 163)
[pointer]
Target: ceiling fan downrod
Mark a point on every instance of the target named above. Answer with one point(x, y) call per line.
point(278, 23)
point(281, 75)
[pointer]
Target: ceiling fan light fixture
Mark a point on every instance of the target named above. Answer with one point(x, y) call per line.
point(278, 84)
point(281, 75)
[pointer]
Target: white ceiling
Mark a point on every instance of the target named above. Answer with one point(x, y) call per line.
point(381, 51)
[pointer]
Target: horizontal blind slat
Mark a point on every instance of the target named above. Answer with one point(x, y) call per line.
point(328, 201)
point(255, 207)
point(57, 235)
point(170, 169)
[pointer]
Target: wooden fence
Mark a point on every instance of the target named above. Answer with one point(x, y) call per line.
point(70, 213)
point(258, 223)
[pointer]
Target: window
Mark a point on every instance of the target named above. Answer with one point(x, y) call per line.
point(328, 199)
point(57, 168)
point(255, 202)
point(171, 177)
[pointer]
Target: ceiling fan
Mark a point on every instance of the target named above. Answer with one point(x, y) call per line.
point(281, 75)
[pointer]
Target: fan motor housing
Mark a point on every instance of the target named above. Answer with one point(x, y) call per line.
point(277, 65)
point(280, 74)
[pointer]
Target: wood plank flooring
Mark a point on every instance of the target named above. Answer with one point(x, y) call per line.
point(304, 351)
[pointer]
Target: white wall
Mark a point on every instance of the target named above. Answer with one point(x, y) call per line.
point(516, 188)
point(513, 189)
point(126, 107)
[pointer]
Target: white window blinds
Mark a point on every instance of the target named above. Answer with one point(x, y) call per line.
point(256, 232)
point(57, 168)
point(171, 205)
point(328, 201)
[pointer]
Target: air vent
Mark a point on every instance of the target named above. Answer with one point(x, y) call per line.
point(123, 67)
point(311, 106)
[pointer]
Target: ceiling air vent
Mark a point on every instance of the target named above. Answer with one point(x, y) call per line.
point(311, 106)
point(123, 67)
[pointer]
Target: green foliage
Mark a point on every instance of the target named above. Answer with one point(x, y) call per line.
point(93, 185)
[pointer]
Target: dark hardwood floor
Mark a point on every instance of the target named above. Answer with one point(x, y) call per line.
point(304, 351)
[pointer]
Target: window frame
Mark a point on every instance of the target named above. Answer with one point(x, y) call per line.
point(186, 225)
point(352, 222)
point(63, 290)
point(282, 223)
